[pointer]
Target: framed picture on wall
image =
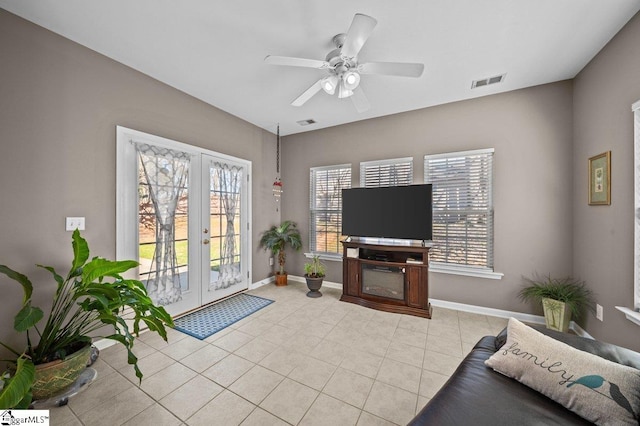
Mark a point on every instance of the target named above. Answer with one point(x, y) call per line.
point(600, 179)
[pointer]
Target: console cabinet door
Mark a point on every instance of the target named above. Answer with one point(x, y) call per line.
point(353, 277)
point(416, 287)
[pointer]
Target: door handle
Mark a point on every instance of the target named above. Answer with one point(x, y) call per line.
point(206, 231)
point(205, 241)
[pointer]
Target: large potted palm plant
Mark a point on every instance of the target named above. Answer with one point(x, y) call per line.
point(560, 297)
point(91, 296)
point(276, 239)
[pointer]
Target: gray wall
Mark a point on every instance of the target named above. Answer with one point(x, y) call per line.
point(59, 107)
point(531, 131)
point(603, 235)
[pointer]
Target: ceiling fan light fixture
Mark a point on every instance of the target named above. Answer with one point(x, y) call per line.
point(343, 91)
point(329, 84)
point(343, 67)
point(351, 80)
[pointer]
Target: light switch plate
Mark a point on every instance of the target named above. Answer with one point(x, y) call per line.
point(599, 312)
point(74, 223)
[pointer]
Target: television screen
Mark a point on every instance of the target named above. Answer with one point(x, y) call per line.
point(402, 212)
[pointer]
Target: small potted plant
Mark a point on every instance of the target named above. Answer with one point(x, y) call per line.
point(314, 273)
point(560, 297)
point(276, 239)
point(92, 295)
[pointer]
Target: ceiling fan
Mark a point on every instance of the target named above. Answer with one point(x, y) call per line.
point(344, 68)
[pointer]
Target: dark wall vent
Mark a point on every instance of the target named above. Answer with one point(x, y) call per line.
point(488, 81)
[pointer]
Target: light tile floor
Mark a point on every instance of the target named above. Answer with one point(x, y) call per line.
point(299, 361)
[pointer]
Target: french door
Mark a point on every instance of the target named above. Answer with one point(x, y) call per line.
point(183, 213)
point(223, 247)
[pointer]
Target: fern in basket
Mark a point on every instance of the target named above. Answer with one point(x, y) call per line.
point(571, 291)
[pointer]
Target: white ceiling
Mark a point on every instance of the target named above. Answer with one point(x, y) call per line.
point(214, 49)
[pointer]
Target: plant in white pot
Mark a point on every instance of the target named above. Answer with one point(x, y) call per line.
point(561, 299)
point(314, 273)
point(92, 295)
point(276, 239)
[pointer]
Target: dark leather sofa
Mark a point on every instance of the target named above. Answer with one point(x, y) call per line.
point(477, 395)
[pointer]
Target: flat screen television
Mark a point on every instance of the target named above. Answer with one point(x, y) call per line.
point(402, 212)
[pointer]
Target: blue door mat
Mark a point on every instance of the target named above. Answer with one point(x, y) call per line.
point(213, 318)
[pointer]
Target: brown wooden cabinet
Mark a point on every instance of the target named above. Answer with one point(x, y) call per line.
point(352, 274)
point(417, 295)
point(392, 278)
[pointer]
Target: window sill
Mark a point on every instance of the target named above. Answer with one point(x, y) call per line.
point(325, 256)
point(461, 270)
point(631, 315)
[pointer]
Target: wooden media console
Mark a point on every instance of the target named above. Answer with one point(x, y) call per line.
point(391, 278)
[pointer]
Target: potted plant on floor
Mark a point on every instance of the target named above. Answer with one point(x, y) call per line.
point(276, 239)
point(314, 273)
point(92, 295)
point(560, 297)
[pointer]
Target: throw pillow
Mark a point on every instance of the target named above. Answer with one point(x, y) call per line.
point(597, 389)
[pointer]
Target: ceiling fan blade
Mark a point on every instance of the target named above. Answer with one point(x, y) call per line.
point(402, 69)
point(359, 100)
point(359, 31)
point(296, 62)
point(308, 94)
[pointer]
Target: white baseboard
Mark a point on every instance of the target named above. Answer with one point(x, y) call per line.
point(295, 278)
point(580, 331)
point(261, 283)
point(534, 319)
point(325, 283)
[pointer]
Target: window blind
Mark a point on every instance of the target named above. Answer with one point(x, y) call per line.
point(326, 185)
point(393, 172)
point(462, 207)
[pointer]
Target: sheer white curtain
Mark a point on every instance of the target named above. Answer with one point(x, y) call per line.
point(230, 182)
point(166, 172)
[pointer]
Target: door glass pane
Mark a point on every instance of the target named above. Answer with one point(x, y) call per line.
point(225, 185)
point(150, 230)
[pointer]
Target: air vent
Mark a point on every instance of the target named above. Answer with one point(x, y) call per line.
point(488, 81)
point(306, 122)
